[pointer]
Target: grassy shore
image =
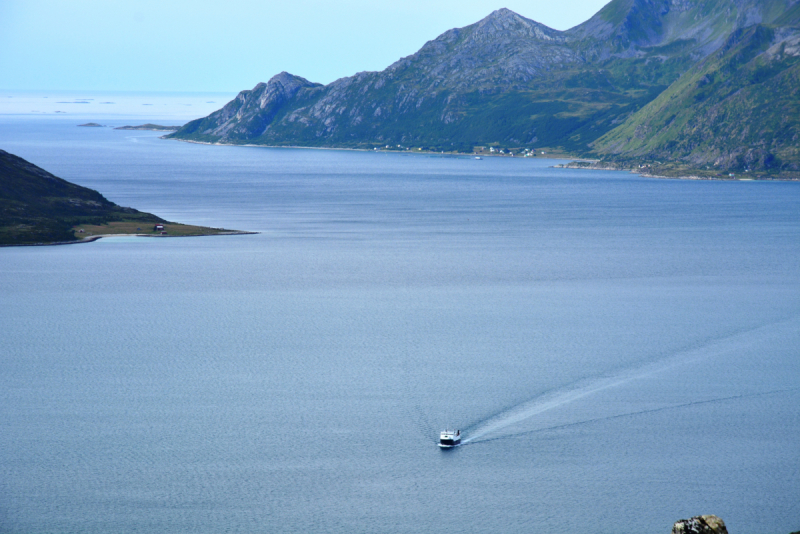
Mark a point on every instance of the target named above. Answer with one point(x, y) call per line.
point(138, 228)
point(678, 170)
point(33, 236)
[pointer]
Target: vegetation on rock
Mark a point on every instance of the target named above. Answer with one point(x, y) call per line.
point(737, 110)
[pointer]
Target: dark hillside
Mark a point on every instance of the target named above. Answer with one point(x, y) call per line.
point(38, 207)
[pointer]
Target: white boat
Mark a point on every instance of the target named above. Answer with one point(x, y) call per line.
point(449, 439)
point(478, 157)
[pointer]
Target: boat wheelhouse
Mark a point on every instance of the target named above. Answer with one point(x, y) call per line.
point(449, 439)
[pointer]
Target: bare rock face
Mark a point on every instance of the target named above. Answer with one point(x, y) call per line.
point(251, 112)
point(701, 524)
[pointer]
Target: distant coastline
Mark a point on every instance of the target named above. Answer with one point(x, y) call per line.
point(672, 172)
point(380, 150)
point(148, 126)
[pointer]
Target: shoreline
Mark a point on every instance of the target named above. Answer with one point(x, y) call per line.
point(93, 238)
point(380, 150)
point(472, 155)
point(696, 177)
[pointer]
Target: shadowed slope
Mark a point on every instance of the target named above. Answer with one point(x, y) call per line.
point(37, 207)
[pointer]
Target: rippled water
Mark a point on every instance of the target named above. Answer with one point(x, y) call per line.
point(619, 352)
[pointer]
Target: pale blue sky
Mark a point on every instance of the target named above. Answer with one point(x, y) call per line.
point(180, 45)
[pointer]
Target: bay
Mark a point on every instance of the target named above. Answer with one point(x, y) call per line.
point(620, 352)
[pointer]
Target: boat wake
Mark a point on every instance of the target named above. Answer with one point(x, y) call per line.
point(586, 388)
point(542, 404)
point(475, 440)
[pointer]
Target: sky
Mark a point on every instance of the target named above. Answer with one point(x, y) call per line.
point(223, 46)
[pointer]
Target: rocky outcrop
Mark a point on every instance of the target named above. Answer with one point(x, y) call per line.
point(701, 524)
point(250, 114)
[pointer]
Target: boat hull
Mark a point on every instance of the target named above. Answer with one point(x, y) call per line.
point(449, 439)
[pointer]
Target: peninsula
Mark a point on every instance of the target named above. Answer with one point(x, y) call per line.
point(690, 86)
point(38, 208)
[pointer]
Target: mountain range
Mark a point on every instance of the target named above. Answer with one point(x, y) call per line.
point(709, 84)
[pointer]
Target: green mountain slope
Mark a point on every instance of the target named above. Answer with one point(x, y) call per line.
point(737, 110)
point(503, 81)
point(37, 207)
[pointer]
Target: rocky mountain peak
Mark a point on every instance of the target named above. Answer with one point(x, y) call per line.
point(502, 17)
point(280, 87)
point(289, 82)
point(504, 22)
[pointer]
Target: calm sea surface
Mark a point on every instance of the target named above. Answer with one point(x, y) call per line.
point(619, 352)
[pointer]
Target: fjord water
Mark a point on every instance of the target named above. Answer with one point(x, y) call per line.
point(620, 352)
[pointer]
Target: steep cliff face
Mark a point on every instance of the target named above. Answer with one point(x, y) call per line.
point(505, 80)
point(251, 112)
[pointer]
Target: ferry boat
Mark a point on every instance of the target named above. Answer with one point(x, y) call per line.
point(449, 439)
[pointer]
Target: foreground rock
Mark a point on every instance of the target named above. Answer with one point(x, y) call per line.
point(701, 524)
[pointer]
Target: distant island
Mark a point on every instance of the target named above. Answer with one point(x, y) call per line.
point(148, 126)
point(92, 125)
point(705, 89)
point(37, 207)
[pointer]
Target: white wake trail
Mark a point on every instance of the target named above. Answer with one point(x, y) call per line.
point(549, 401)
point(541, 404)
